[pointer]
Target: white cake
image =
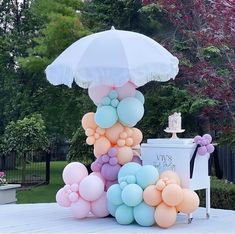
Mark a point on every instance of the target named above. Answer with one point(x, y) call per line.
point(174, 122)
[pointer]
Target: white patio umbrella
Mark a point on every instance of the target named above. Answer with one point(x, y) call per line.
point(113, 58)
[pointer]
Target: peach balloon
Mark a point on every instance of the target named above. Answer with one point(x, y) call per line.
point(121, 142)
point(89, 132)
point(129, 131)
point(88, 121)
point(113, 133)
point(129, 141)
point(172, 194)
point(152, 196)
point(165, 215)
point(160, 185)
point(137, 136)
point(124, 155)
point(90, 140)
point(101, 146)
point(171, 175)
point(189, 203)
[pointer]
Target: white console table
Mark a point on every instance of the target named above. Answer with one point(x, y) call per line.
point(8, 193)
point(176, 154)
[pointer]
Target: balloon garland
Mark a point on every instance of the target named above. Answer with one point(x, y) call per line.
point(119, 184)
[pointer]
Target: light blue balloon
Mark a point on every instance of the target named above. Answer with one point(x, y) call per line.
point(146, 176)
point(130, 110)
point(106, 101)
point(114, 102)
point(112, 208)
point(130, 168)
point(124, 214)
point(106, 116)
point(113, 94)
point(114, 195)
point(132, 195)
point(144, 214)
point(140, 96)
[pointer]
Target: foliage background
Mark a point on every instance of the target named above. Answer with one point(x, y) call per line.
point(200, 33)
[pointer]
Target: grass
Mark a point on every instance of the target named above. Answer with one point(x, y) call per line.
point(44, 193)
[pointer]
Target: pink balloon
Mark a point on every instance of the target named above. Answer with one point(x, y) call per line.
point(202, 150)
point(97, 92)
point(99, 175)
point(210, 148)
point(99, 207)
point(73, 197)
point(62, 198)
point(74, 172)
point(127, 90)
point(91, 188)
point(81, 208)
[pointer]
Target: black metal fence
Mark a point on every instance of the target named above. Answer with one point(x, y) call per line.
point(34, 170)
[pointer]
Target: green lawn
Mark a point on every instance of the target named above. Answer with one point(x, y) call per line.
point(44, 193)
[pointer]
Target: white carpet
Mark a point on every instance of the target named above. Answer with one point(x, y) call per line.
point(50, 218)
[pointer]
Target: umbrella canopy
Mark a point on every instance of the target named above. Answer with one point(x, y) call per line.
point(113, 58)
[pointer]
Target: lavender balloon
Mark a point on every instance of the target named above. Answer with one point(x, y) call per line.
point(136, 159)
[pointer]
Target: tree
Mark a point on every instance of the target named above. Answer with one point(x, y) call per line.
point(25, 136)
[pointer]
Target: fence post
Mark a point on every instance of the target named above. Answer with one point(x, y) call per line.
point(48, 160)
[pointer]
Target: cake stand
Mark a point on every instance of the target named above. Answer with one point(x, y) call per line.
point(174, 132)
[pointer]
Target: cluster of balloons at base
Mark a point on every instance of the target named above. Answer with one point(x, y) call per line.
point(139, 194)
point(205, 145)
point(144, 196)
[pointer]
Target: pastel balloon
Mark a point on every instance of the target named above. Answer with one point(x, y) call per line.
point(114, 194)
point(62, 198)
point(110, 172)
point(101, 146)
point(81, 208)
point(172, 194)
point(124, 214)
point(210, 148)
point(133, 115)
point(99, 207)
point(152, 196)
point(106, 116)
point(171, 175)
point(97, 92)
point(88, 121)
point(139, 96)
point(130, 168)
point(202, 150)
point(73, 197)
point(127, 90)
point(144, 214)
point(208, 137)
point(132, 195)
point(124, 155)
point(189, 203)
point(112, 208)
point(90, 140)
point(137, 136)
point(99, 175)
point(113, 133)
point(109, 183)
point(74, 172)
point(146, 176)
point(91, 188)
point(165, 216)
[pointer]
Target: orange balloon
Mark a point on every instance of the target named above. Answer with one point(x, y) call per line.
point(101, 146)
point(124, 155)
point(172, 194)
point(152, 196)
point(165, 215)
point(121, 142)
point(129, 141)
point(89, 132)
point(137, 136)
point(189, 203)
point(114, 132)
point(88, 121)
point(171, 175)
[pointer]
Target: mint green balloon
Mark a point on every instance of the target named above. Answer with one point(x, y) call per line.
point(112, 208)
point(146, 176)
point(114, 195)
point(144, 214)
point(130, 110)
point(124, 215)
point(132, 195)
point(106, 116)
point(139, 96)
point(128, 169)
